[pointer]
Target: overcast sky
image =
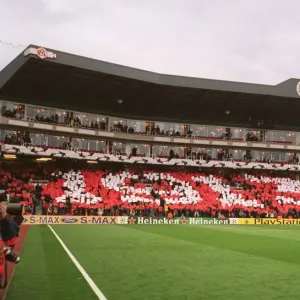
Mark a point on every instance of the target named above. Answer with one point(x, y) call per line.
point(251, 41)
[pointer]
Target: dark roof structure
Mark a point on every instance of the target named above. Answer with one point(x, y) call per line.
point(78, 83)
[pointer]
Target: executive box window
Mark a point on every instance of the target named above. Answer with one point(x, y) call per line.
point(280, 137)
point(169, 129)
point(84, 119)
point(13, 110)
point(97, 146)
point(237, 154)
point(141, 149)
point(136, 126)
point(33, 111)
point(82, 144)
point(57, 141)
point(238, 133)
point(39, 139)
point(59, 115)
point(118, 125)
point(98, 122)
point(130, 126)
point(119, 148)
point(274, 156)
point(207, 131)
point(159, 150)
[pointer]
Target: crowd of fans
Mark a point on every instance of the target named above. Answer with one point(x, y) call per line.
point(151, 129)
point(17, 138)
point(251, 137)
point(16, 113)
point(152, 193)
point(23, 138)
point(70, 119)
point(191, 194)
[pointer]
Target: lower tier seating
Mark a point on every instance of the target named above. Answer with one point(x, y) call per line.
point(152, 192)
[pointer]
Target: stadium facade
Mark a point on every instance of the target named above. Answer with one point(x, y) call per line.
point(55, 99)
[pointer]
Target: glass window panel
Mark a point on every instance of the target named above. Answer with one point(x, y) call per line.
point(165, 128)
point(57, 141)
point(198, 149)
point(123, 125)
point(195, 130)
point(7, 132)
point(11, 137)
point(11, 106)
point(97, 146)
point(216, 132)
point(2, 132)
point(275, 156)
point(119, 148)
point(237, 133)
point(258, 155)
point(172, 129)
point(214, 152)
point(165, 150)
point(33, 111)
point(84, 119)
point(13, 110)
point(58, 115)
point(135, 126)
point(144, 149)
point(96, 118)
point(237, 154)
point(198, 130)
point(160, 150)
point(291, 137)
point(98, 122)
point(140, 127)
point(178, 130)
point(82, 144)
point(169, 128)
point(288, 157)
point(131, 126)
point(281, 136)
point(209, 152)
point(179, 151)
point(39, 139)
point(252, 135)
point(141, 149)
point(116, 124)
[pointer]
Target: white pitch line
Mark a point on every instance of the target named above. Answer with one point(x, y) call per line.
point(88, 279)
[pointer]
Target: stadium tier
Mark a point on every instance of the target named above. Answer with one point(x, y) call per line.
point(154, 193)
point(47, 154)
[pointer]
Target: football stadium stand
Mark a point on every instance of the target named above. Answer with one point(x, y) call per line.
point(157, 193)
point(173, 145)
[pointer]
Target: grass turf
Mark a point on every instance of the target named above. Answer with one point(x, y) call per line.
point(160, 262)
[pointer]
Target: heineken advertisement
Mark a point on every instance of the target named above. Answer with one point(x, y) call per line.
point(172, 221)
point(109, 220)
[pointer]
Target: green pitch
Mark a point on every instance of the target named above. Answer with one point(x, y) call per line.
point(160, 262)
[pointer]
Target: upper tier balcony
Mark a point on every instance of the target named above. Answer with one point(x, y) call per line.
point(149, 137)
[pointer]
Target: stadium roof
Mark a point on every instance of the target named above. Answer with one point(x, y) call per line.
point(68, 81)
